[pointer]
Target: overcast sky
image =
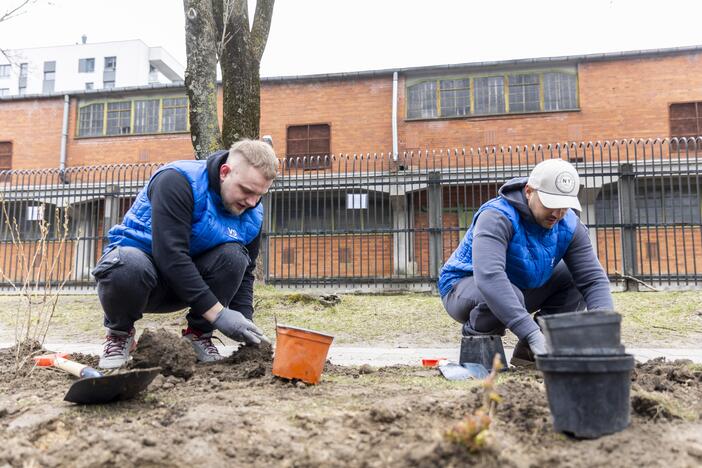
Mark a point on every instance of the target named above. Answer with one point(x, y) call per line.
point(326, 36)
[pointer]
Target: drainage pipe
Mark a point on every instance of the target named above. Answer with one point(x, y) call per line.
point(394, 116)
point(64, 132)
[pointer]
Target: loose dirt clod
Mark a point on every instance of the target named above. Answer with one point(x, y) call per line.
point(160, 348)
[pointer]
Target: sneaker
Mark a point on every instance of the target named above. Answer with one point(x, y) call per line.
point(116, 349)
point(522, 356)
point(202, 344)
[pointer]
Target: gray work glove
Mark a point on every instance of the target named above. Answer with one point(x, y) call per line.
point(237, 327)
point(537, 342)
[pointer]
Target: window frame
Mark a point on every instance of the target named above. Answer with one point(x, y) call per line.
point(323, 163)
point(86, 65)
point(5, 70)
point(697, 118)
point(132, 100)
point(8, 156)
point(505, 74)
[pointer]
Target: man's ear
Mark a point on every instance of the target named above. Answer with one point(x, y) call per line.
point(224, 171)
point(527, 192)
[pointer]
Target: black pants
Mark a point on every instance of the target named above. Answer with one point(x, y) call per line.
point(129, 284)
point(466, 304)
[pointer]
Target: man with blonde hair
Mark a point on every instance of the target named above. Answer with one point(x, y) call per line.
point(190, 239)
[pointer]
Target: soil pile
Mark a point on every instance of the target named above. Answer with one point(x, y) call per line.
point(160, 348)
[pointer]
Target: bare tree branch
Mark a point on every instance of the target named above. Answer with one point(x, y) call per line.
point(16, 11)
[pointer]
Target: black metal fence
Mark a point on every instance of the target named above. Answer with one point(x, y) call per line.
point(374, 220)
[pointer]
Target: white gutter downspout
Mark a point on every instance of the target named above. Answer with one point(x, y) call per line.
point(394, 116)
point(64, 132)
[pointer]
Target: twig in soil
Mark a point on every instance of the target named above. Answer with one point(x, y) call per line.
point(473, 431)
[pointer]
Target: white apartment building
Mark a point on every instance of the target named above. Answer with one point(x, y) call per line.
point(119, 64)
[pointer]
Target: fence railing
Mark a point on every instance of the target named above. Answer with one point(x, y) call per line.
point(359, 220)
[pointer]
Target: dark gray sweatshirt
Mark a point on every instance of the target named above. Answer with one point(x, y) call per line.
point(491, 237)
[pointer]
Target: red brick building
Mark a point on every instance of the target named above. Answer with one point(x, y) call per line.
point(643, 94)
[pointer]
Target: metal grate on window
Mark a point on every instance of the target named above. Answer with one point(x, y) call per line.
point(119, 116)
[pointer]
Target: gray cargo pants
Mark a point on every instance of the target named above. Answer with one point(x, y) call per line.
point(465, 304)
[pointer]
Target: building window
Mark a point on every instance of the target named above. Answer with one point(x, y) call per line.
point(110, 63)
point(489, 95)
point(49, 77)
point(495, 94)
point(119, 117)
point(421, 101)
point(524, 93)
point(685, 119)
point(22, 85)
point(4, 91)
point(91, 120)
point(455, 97)
point(5, 71)
point(5, 159)
point(307, 146)
point(329, 211)
point(175, 115)
point(108, 84)
point(153, 74)
point(138, 116)
point(559, 91)
point(86, 65)
point(146, 116)
point(89, 85)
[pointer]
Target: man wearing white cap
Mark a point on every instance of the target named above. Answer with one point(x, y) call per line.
point(525, 251)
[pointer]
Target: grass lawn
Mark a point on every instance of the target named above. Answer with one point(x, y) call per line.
point(662, 319)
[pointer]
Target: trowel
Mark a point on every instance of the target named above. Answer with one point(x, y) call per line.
point(94, 387)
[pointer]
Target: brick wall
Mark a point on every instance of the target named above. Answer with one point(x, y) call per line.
point(34, 128)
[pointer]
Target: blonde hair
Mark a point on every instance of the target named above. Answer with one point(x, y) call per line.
point(257, 154)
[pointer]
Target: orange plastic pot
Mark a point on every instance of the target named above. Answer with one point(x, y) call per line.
point(300, 354)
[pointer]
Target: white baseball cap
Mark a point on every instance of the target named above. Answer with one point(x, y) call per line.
point(557, 182)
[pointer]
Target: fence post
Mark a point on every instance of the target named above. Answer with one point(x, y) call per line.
point(110, 215)
point(435, 208)
point(627, 208)
point(265, 238)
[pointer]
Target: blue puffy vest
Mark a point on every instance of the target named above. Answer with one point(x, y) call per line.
point(532, 253)
point(212, 225)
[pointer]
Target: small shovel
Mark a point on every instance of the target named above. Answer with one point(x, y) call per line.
point(94, 387)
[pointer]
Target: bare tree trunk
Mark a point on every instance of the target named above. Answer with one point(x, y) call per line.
point(241, 59)
point(201, 76)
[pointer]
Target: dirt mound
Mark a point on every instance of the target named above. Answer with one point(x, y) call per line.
point(160, 348)
point(248, 362)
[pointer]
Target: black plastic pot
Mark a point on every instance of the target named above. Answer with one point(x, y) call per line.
point(583, 333)
point(482, 350)
point(588, 395)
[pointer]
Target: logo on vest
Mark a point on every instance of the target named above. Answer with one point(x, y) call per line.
point(231, 232)
point(565, 182)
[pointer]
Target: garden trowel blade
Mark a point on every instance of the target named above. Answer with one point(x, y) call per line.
point(108, 388)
